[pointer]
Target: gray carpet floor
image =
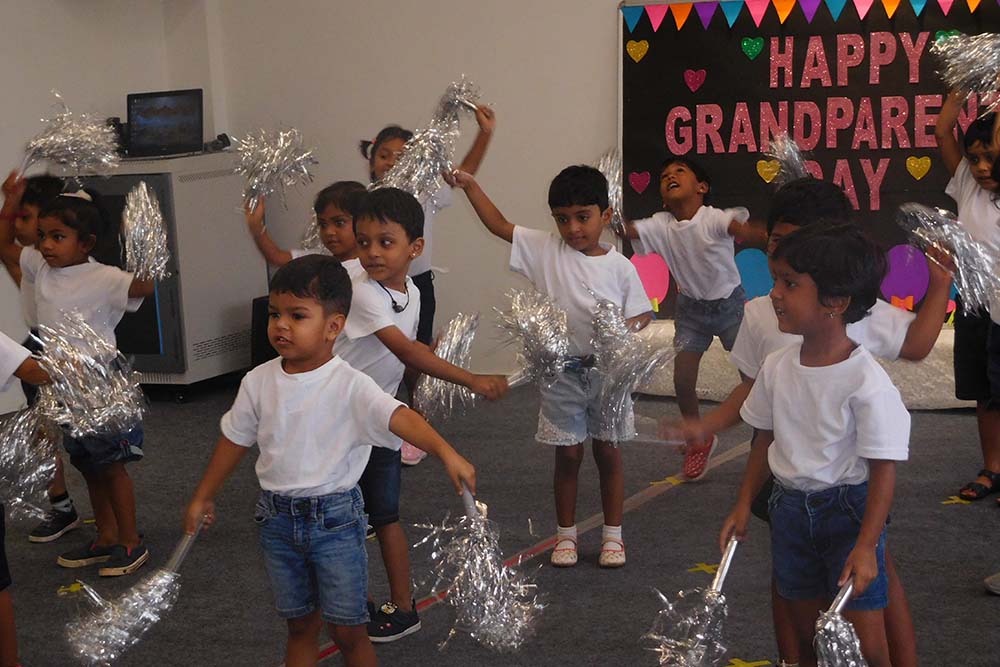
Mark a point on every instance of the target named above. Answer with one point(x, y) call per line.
point(594, 617)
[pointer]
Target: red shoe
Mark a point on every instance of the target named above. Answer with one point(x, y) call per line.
point(696, 459)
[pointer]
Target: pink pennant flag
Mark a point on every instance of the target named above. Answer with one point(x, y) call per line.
point(681, 12)
point(946, 5)
point(757, 10)
point(656, 14)
point(863, 6)
point(706, 10)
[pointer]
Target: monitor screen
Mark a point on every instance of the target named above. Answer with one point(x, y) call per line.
point(165, 123)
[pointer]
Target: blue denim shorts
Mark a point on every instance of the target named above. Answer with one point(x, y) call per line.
point(571, 410)
point(697, 322)
point(811, 536)
point(314, 552)
point(94, 452)
point(380, 484)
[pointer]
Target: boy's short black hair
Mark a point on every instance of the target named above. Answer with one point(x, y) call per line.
point(699, 171)
point(42, 189)
point(579, 185)
point(841, 259)
point(808, 200)
point(345, 195)
point(316, 277)
point(393, 205)
point(980, 130)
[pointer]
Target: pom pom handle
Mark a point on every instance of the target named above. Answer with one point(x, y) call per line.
point(843, 597)
point(727, 559)
point(470, 503)
point(183, 548)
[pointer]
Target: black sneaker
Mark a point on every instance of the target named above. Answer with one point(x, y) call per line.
point(55, 525)
point(88, 554)
point(391, 623)
point(124, 560)
point(370, 532)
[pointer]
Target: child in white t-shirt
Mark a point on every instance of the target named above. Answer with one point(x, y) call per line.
point(335, 207)
point(831, 427)
point(65, 281)
point(696, 241)
point(379, 339)
point(575, 269)
point(315, 420)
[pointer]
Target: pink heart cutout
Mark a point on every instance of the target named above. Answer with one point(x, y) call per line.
point(639, 181)
point(694, 78)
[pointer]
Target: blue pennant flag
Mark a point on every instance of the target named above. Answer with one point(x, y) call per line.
point(632, 15)
point(731, 8)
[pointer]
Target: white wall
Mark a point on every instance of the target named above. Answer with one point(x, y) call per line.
point(339, 71)
point(93, 53)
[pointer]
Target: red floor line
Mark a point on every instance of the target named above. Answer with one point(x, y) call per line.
point(633, 502)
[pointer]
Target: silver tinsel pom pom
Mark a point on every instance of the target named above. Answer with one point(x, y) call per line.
point(78, 142)
point(434, 398)
point(976, 276)
point(540, 326)
point(495, 604)
point(625, 361)
point(430, 151)
point(310, 236)
point(610, 164)
point(144, 235)
point(836, 643)
point(788, 154)
point(93, 388)
point(271, 162)
point(28, 453)
point(688, 631)
point(969, 63)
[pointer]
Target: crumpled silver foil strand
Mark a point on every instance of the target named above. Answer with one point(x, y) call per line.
point(310, 236)
point(788, 154)
point(271, 161)
point(688, 631)
point(970, 63)
point(431, 149)
point(610, 164)
point(540, 326)
point(28, 450)
point(495, 604)
point(625, 361)
point(976, 277)
point(836, 643)
point(93, 389)
point(79, 142)
point(100, 638)
point(437, 399)
point(144, 235)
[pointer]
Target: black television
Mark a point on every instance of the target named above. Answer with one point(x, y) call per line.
point(165, 123)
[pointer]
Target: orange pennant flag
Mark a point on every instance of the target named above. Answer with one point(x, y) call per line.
point(905, 304)
point(892, 5)
point(681, 12)
point(784, 8)
point(972, 5)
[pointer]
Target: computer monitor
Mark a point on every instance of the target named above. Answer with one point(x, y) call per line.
point(165, 123)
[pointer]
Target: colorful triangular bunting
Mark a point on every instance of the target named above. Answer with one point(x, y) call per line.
point(757, 10)
point(706, 10)
point(632, 15)
point(809, 8)
point(946, 5)
point(972, 5)
point(732, 8)
point(656, 14)
point(681, 11)
point(863, 6)
point(784, 8)
point(918, 6)
point(890, 7)
point(836, 7)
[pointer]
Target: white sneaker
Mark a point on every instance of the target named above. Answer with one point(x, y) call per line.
point(411, 455)
point(992, 583)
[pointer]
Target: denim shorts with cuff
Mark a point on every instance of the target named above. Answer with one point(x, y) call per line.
point(314, 553)
point(697, 321)
point(812, 535)
point(380, 484)
point(93, 453)
point(571, 408)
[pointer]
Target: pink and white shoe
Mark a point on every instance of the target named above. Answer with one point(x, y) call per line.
point(411, 455)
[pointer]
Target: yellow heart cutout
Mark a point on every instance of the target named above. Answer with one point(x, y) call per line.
point(768, 169)
point(637, 49)
point(918, 166)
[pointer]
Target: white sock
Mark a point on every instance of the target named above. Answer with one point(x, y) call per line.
point(566, 533)
point(611, 533)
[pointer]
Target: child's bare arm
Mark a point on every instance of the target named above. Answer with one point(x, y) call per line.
point(487, 120)
point(140, 289)
point(926, 326)
point(639, 322)
point(754, 477)
point(224, 460)
point(419, 357)
point(414, 429)
point(31, 372)
point(273, 254)
point(861, 562)
point(723, 417)
point(748, 234)
point(631, 233)
point(487, 211)
point(13, 190)
point(944, 131)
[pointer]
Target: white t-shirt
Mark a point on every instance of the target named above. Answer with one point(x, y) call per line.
point(371, 311)
point(12, 355)
point(882, 333)
point(827, 420)
point(98, 291)
point(699, 251)
point(353, 266)
point(566, 274)
point(315, 430)
point(29, 310)
point(978, 213)
point(439, 200)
